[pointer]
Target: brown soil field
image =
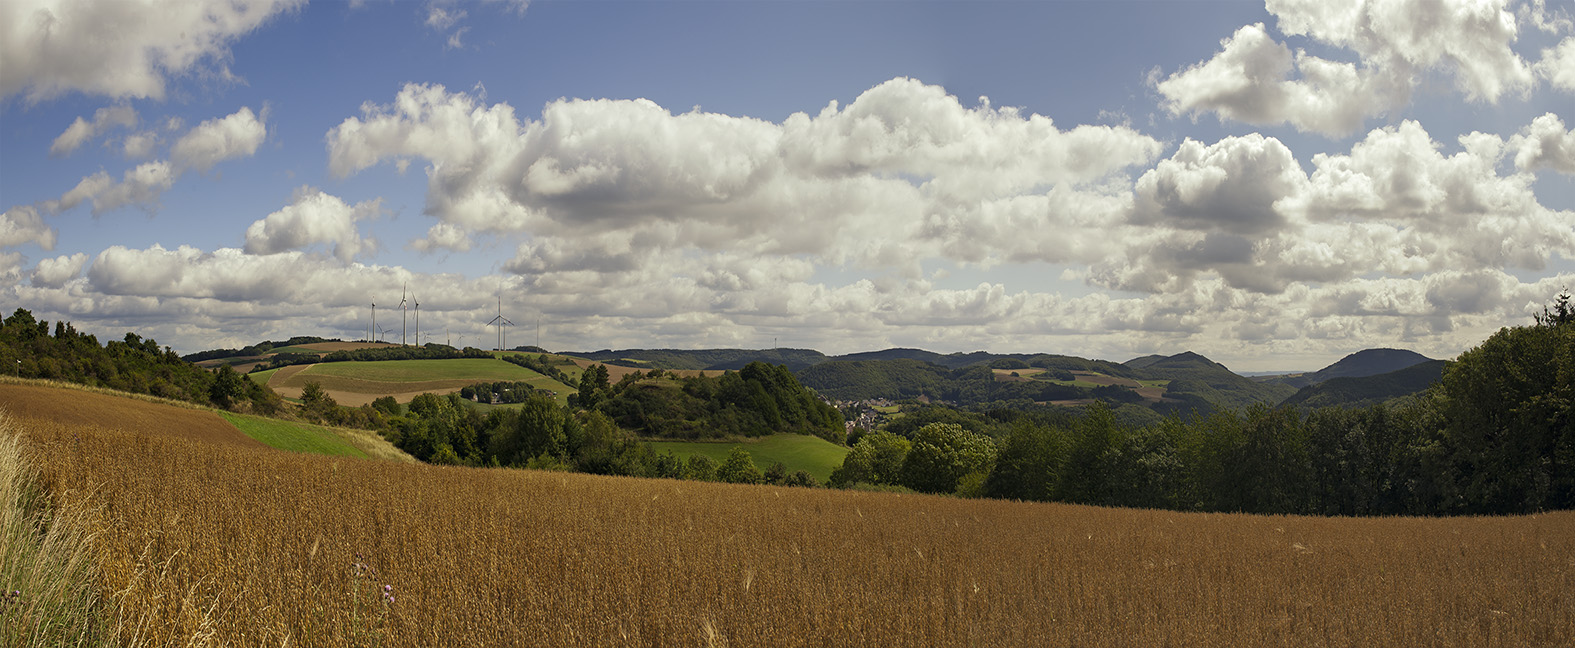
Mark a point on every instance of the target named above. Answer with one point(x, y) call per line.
point(355, 392)
point(1023, 375)
point(222, 545)
point(75, 407)
point(1099, 379)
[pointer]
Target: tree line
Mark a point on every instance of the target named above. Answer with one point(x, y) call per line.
point(1496, 435)
point(132, 364)
point(758, 400)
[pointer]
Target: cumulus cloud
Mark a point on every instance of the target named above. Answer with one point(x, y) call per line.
point(141, 186)
point(1558, 65)
point(1257, 80)
point(55, 272)
point(314, 217)
point(1253, 80)
point(1545, 144)
point(117, 48)
point(82, 130)
point(851, 184)
point(213, 141)
point(140, 145)
point(22, 225)
point(1242, 209)
point(216, 140)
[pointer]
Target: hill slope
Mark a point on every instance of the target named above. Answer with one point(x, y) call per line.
point(1196, 382)
point(1367, 362)
point(1366, 390)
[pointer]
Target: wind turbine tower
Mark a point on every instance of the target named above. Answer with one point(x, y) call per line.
point(371, 334)
point(402, 318)
point(500, 321)
point(418, 318)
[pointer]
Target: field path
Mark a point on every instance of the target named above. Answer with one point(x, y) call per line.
point(75, 407)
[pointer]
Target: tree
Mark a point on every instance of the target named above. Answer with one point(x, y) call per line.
point(316, 403)
point(876, 459)
point(1029, 464)
point(227, 388)
point(593, 386)
point(700, 468)
point(739, 468)
point(1509, 405)
point(943, 454)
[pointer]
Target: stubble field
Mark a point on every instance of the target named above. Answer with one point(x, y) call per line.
point(207, 544)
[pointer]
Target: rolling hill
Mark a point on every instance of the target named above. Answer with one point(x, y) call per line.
point(1360, 391)
point(1196, 382)
point(1367, 362)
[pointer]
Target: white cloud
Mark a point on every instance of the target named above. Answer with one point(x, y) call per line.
point(140, 145)
point(81, 130)
point(1558, 65)
point(443, 236)
point(1230, 185)
point(1257, 80)
point(853, 184)
point(216, 140)
point(141, 186)
point(1251, 80)
point(1545, 144)
point(22, 225)
point(213, 141)
point(55, 272)
point(1468, 39)
point(119, 48)
point(314, 217)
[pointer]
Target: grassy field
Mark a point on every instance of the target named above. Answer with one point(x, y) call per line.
point(295, 437)
point(213, 544)
point(814, 455)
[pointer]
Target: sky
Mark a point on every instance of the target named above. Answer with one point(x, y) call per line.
point(1272, 185)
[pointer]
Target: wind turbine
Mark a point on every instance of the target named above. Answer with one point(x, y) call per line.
point(402, 315)
point(500, 320)
point(418, 318)
point(371, 335)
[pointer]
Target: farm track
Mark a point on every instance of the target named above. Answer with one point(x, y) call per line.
point(262, 547)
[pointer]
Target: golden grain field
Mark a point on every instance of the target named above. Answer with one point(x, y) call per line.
point(207, 544)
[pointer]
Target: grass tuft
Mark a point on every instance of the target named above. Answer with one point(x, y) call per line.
point(47, 573)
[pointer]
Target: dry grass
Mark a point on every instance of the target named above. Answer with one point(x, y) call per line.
point(47, 591)
point(223, 544)
point(76, 404)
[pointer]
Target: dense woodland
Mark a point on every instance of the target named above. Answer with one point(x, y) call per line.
point(131, 365)
point(758, 400)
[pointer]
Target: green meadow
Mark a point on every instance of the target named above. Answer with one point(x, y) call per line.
point(814, 455)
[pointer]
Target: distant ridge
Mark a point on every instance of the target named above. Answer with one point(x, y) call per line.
point(1361, 391)
point(1367, 362)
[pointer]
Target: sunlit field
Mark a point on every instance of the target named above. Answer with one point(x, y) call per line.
point(226, 544)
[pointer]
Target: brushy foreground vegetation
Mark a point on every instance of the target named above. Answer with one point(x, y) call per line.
point(206, 544)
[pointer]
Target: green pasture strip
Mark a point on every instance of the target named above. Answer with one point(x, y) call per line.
point(262, 377)
point(1154, 383)
point(295, 437)
point(814, 455)
point(1076, 383)
point(476, 369)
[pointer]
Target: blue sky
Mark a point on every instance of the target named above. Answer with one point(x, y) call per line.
point(1273, 185)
